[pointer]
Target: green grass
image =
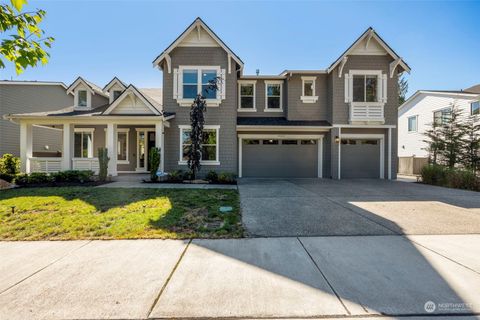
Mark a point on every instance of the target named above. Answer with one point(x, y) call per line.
point(107, 213)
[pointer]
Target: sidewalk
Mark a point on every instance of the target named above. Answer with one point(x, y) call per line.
point(248, 278)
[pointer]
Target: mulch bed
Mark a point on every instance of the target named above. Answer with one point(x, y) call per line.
point(188, 182)
point(65, 184)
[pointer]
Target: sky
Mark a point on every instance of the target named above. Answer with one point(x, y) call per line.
point(102, 39)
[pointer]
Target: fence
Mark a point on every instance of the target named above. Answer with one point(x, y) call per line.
point(411, 165)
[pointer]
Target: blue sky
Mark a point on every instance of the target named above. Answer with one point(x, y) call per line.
point(101, 39)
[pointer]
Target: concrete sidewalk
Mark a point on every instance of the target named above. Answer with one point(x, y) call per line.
point(305, 277)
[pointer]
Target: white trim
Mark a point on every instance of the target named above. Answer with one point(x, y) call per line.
point(126, 131)
point(33, 83)
point(187, 102)
point(145, 132)
point(282, 128)
point(217, 145)
point(372, 136)
point(90, 152)
point(416, 124)
point(339, 170)
point(389, 157)
point(246, 82)
point(125, 94)
point(113, 82)
point(318, 138)
point(273, 82)
point(371, 126)
point(419, 92)
point(309, 99)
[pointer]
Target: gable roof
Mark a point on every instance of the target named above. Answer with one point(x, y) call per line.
point(474, 89)
point(94, 89)
point(440, 92)
point(34, 82)
point(113, 82)
point(197, 23)
point(370, 32)
point(148, 101)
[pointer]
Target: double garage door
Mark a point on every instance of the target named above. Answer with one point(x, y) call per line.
point(280, 158)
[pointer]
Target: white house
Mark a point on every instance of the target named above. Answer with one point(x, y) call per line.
point(424, 107)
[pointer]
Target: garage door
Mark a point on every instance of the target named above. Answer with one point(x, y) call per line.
point(360, 158)
point(279, 158)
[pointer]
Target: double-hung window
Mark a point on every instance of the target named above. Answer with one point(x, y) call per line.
point(189, 81)
point(82, 98)
point(273, 96)
point(412, 124)
point(246, 96)
point(441, 117)
point(475, 108)
point(209, 145)
point(308, 90)
point(365, 88)
point(83, 143)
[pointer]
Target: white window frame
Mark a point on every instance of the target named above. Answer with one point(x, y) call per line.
point(203, 162)
point(416, 124)
point(309, 99)
point(188, 102)
point(440, 110)
point(275, 82)
point(127, 132)
point(471, 108)
point(247, 82)
point(381, 87)
point(77, 97)
point(90, 152)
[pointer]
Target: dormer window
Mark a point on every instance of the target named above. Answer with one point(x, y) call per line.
point(82, 98)
point(116, 94)
point(308, 90)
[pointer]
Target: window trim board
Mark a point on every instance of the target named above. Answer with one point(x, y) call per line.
point(206, 162)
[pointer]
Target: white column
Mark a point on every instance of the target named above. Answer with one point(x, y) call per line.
point(320, 158)
point(26, 149)
point(160, 143)
point(240, 164)
point(339, 153)
point(112, 148)
point(389, 166)
point(68, 145)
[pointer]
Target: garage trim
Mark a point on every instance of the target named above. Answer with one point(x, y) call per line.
point(319, 139)
point(380, 137)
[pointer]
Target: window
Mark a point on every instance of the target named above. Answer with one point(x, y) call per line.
point(122, 146)
point(246, 96)
point(82, 98)
point(365, 88)
point(273, 96)
point(475, 108)
point(197, 81)
point(412, 124)
point(270, 142)
point(441, 116)
point(308, 142)
point(249, 141)
point(289, 142)
point(209, 144)
point(116, 94)
point(308, 90)
point(83, 143)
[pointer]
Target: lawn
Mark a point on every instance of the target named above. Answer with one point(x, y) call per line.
point(106, 213)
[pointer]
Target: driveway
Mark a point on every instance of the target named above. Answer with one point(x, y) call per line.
point(324, 207)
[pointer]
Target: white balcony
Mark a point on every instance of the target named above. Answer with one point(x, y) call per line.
point(367, 112)
point(44, 164)
point(86, 164)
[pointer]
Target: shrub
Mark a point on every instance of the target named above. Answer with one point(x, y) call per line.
point(7, 177)
point(154, 163)
point(433, 174)
point(73, 176)
point(9, 164)
point(188, 175)
point(227, 178)
point(212, 176)
point(176, 176)
point(21, 179)
point(39, 178)
point(462, 179)
point(103, 164)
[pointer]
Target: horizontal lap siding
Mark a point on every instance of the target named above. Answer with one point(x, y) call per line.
point(297, 110)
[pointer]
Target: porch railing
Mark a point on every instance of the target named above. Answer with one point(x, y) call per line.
point(367, 112)
point(44, 164)
point(86, 164)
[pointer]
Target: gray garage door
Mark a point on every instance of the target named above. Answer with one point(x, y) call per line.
point(360, 158)
point(280, 158)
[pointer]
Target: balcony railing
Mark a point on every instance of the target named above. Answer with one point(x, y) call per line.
point(367, 112)
point(86, 164)
point(44, 164)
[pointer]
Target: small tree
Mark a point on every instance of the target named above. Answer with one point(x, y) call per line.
point(9, 164)
point(103, 164)
point(453, 131)
point(197, 121)
point(402, 90)
point(471, 145)
point(154, 158)
point(434, 141)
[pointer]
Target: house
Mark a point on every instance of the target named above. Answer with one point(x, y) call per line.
point(31, 96)
point(339, 122)
point(420, 111)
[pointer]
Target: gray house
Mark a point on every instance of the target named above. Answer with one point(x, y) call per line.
point(340, 122)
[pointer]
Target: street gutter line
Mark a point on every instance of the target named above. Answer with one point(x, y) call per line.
point(324, 277)
point(44, 267)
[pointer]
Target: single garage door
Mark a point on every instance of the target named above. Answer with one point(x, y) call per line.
point(360, 158)
point(279, 158)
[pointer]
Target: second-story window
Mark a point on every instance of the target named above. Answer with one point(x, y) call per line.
point(197, 81)
point(441, 116)
point(116, 94)
point(475, 108)
point(412, 124)
point(273, 96)
point(365, 88)
point(82, 98)
point(308, 90)
point(246, 98)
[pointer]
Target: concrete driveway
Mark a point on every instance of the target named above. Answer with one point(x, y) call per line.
point(324, 207)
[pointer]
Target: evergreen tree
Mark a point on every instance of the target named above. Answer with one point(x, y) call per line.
point(471, 145)
point(452, 131)
point(434, 141)
point(402, 90)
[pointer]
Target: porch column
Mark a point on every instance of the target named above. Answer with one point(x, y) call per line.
point(389, 165)
point(112, 148)
point(26, 149)
point(160, 143)
point(68, 145)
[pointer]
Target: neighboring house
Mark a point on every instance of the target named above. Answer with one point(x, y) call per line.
point(31, 96)
point(422, 109)
point(340, 122)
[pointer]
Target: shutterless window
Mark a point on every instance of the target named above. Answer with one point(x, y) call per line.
point(308, 142)
point(247, 95)
point(249, 141)
point(441, 116)
point(116, 94)
point(82, 98)
point(475, 108)
point(274, 92)
point(290, 142)
point(365, 88)
point(122, 140)
point(412, 124)
point(270, 142)
point(83, 144)
point(208, 145)
point(308, 88)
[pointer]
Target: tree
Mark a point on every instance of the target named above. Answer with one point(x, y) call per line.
point(26, 47)
point(402, 90)
point(453, 131)
point(197, 121)
point(471, 145)
point(434, 141)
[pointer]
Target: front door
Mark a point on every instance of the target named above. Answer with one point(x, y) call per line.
point(145, 141)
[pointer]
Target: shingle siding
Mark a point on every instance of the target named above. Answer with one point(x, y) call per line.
point(297, 109)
